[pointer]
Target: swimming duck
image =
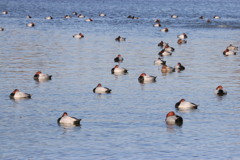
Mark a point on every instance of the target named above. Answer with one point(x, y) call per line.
point(216, 17)
point(227, 52)
point(159, 62)
point(67, 16)
point(78, 36)
point(166, 69)
point(89, 20)
point(41, 76)
point(168, 48)
point(67, 120)
point(157, 21)
point(162, 44)
point(219, 91)
point(174, 16)
point(118, 69)
point(81, 16)
point(164, 53)
point(144, 78)
point(17, 94)
point(1, 29)
point(184, 105)
point(172, 118)
point(29, 16)
point(232, 48)
point(102, 15)
point(201, 17)
point(5, 12)
point(164, 30)
point(118, 59)
point(182, 36)
point(157, 25)
point(49, 17)
point(181, 41)
point(30, 24)
point(99, 89)
point(179, 67)
point(132, 17)
point(74, 13)
point(119, 38)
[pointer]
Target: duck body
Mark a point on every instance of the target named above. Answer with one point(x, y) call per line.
point(228, 52)
point(184, 105)
point(41, 76)
point(172, 118)
point(179, 67)
point(119, 38)
point(67, 120)
point(220, 91)
point(163, 52)
point(118, 69)
point(167, 69)
point(17, 94)
point(144, 78)
point(159, 62)
point(78, 36)
point(100, 89)
point(182, 36)
point(118, 59)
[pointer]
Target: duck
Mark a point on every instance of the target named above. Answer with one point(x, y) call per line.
point(157, 25)
point(74, 13)
point(81, 16)
point(168, 48)
point(232, 48)
point(163, 52)
point(29, 16)
point(216, 17)
point(5, 12)
point(67, 16)
point(132, 17)
point(1, 29)
point(157, 21)
point(208, 21)
point(184, 105)
point(41, 76)
point(144, 78)
point(102, 14)
point(100, 89)
point(172, 118)
point(17, 94)
point(220, 91)
point(227, 52)
point(181, 41)
point(119, 58)
point(182, 36)
point(118, 69)
point(201, 17)
point(164, 30)
point(167, 69)
point(179, 67)
point(31, 24)
point(89, 20)
point(174, 16)
point(49, 17)
point(67, 120)
point(119, 38)
point(162, 44)
point(78, 36)
point(159, 61)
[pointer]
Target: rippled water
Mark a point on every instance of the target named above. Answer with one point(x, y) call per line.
point(129, 122)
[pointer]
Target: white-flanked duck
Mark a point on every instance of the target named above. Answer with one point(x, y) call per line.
point(17, 94)
point(119, 70)
point(119, 38)
point(78, 36)
point(168, 48)
point(89, 20)
point(163, 52)
point(181, 41)
point(157, 25)
point(164, 30)
point(182, 36)
point(100, 89)
point(41, 76)
point(29, 16)
point(216, 17)
point(220, 91)
point(31, 24)
point(67, 120)
point(184, 105)
point(67, 16)
point(174, 16)
point(1, 29)
point(159, 61)
point(119, 58)
point(179, 67)
point(5, 12)
point(232, 48)
point(74, 13)
point(167, 69)
point(172, 118)
point(162, 44)
point(227, 52)
point(49, 17)
point(144, 78)
point(81, 16)
point(102, 14)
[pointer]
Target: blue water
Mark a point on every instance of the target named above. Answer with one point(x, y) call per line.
point(129, 122)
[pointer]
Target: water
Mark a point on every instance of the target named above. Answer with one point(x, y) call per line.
point(129, 123)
